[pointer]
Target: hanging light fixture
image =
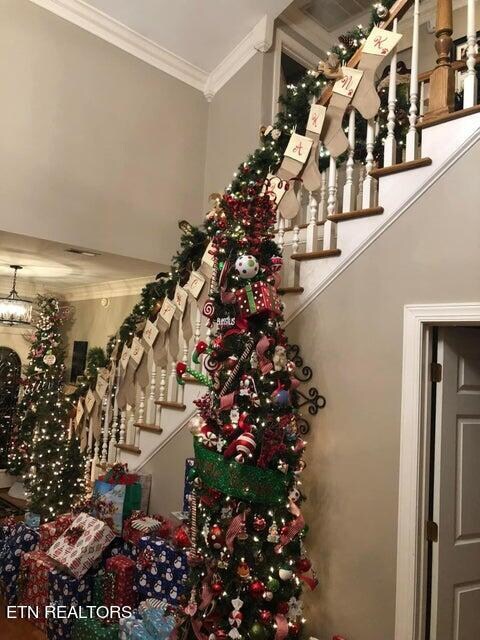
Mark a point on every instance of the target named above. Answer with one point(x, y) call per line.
point(13, 309)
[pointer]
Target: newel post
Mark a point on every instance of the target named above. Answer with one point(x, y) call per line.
point(442, 80)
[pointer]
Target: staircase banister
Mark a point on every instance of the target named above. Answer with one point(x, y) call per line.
point(396, 11)
point(457, 65)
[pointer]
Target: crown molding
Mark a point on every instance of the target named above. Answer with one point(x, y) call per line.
point(307, 27)
point(100, 24)
point(113, 289)
point(260, 39)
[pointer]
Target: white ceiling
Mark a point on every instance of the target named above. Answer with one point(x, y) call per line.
point(46, 265)
point(203, 32)
point(331, 14)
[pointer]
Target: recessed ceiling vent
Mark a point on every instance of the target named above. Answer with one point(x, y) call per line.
point(81, 252)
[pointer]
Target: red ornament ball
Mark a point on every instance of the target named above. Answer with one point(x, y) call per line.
point(257, 589)
point(293, 629)
point(216, 537)
point(181, 538)
point(283, 607)
point(259, 523)
point(228, 429)
point(216, 587)
point(265, 616)
point(303, 565)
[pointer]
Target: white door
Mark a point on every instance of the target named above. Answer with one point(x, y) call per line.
point(456, 555)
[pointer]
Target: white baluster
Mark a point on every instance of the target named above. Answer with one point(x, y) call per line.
point(130, 435)
point(349, 188)
point(173, 386)
point(141, 408)
point(151, 396)
point(281, 233)
point(95, 461)
point(312, 229)
point(89, 451)
point(294, 271)
point(322, 207)
point(329, 226)
point(412, 135)
point(123, 423)
point(421, 110)
point(162, 396)
point(470, 84)
point(112, 448)
point(369, 182)
point(361, 177)
point(198, 329)
point(390, 145)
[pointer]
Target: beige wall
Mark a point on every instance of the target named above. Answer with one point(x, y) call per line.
point(352, 337)
point(167, 467)
point(94, 323)
point(234, 120)
point(13, 337)
point(99, 149)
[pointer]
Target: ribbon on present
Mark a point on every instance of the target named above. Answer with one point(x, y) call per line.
point(292, 528)
point(146, 558)
point(119, 474)
point(73, 535)
point(282, 626)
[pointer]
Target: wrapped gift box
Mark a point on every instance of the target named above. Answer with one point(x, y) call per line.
point(121, 592)
point(137, 631)
point(139, 525)
point(258, 297)
point(65, 590)
point(158, 624)
point(17, 540)
point(60, 628)
point(161, 570)
point(125, 625)
point(51, 531)
point(94, 629)
point(81, 544)
point(35, 569)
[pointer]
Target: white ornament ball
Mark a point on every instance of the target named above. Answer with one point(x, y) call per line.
point(246, 266)
point(285, 574)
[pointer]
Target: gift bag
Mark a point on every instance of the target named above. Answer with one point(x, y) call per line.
point(119, 474)
point(81, 544)
point(114, 496)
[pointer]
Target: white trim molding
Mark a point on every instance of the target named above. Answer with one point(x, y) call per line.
point(100, 24)
point(412, 469)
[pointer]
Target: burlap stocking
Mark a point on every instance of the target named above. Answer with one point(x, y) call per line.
point(334, 138)
point(376, 48)
point(296, 154)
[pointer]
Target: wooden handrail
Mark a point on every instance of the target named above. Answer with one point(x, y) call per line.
point(397, 10)
point(457, 65)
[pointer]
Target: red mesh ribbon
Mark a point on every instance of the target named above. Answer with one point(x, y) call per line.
point(226, 402)
point(207, 595)
point(292, 528)
point(282, 627)
point(262, 345)
point(309, 580)
point(73, 535)
point(241, 326)
point(236, 525)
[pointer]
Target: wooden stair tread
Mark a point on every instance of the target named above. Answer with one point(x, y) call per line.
point(447, 117)
point(171, 405)
point(359, 213)
point(399, 168)
point(131, 448)
point(305, 225)
point(316, 255)
point(284, 290)
point(152, 428)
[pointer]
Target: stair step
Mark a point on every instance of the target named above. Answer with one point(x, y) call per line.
point(447, 117)
point(131, 448)
point(305, 225)
point(191, 380)
point(152, 428)
point(316, 255)
point(171, 405)
point(402, 166)
point(359, 213)
point(284, 290)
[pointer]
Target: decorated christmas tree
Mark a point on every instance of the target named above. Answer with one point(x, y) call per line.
point(10, 369)
point(42, 449)
point(248, 562)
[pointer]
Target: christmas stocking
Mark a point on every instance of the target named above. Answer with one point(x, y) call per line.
point(334, 137)
point(296, 154)
point(311, 176)
point(376, 48)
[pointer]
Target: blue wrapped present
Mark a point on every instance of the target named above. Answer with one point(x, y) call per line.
point(132, 624)
point(60, 628)
point(188, 486)
point(138, 632)
point(161, 570)
point(19, 540)
point(158, 624)
point(65, 590)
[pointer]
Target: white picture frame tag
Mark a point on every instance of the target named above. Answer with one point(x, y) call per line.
point(180, 298)
point(195, 283)
point(90, 400)
point(79, 412)
point(347, 85)
point(137, 350)
point(125, 357)
point(381, 42)
point(101, 387)
point(316, 118)
point(298, 147)
point(150, 333)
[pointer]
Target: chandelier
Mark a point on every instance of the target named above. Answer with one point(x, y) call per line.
point(13, 309)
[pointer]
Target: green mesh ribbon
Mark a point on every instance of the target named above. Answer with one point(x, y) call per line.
point(243, 481)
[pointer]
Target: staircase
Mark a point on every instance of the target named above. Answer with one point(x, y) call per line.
point(355, 204)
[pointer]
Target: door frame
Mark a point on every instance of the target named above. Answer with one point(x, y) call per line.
point(412, 502)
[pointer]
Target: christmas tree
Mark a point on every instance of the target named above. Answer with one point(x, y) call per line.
point(10, 369)
point(42, 449)
point(248, 562)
